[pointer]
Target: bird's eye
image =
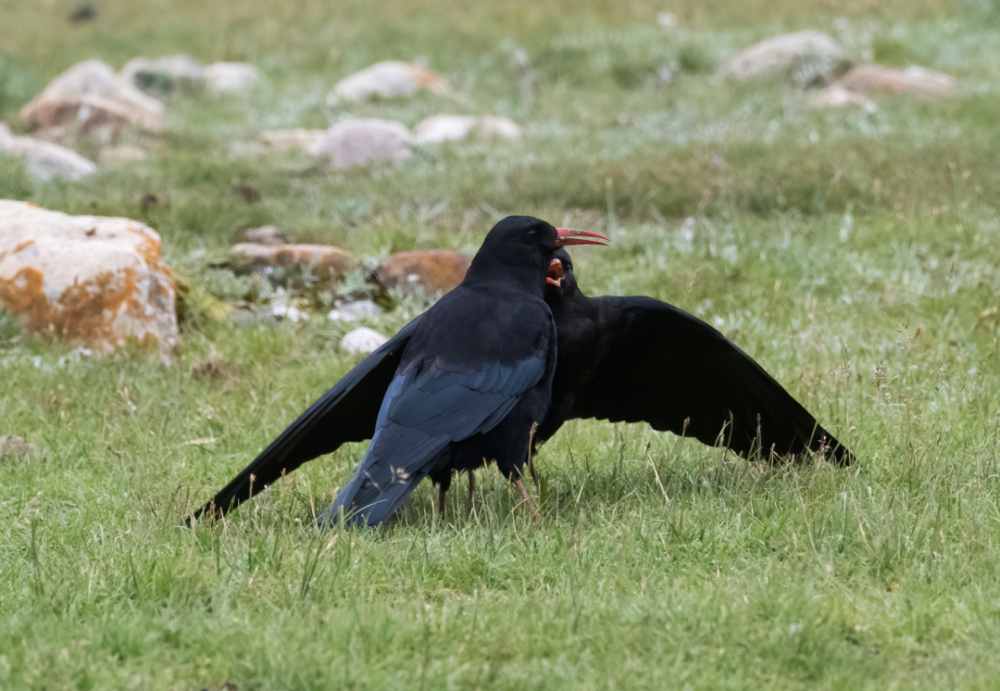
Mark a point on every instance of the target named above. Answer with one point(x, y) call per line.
point(532, 233)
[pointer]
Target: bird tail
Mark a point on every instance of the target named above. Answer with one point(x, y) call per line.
point(380, 485)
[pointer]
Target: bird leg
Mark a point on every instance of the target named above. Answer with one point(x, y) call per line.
point(531, 445)
point(472, 489)
point(536, 514)
point(441, 493)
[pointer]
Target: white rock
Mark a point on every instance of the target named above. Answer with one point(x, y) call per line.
point(92, 280)
point(836, 96)
point(90, 95)
point(496, 127)
point(87, 77)
point(290, 312)
point(363, 142)
point(227, 77)
point(449, 128)
point(354, 311)
point(443, 128)
point(163, 74)
point(362, 341)
point(265, 235)
point(807, 56)
point(667, 20)
point(45, 160)
point(388, 79)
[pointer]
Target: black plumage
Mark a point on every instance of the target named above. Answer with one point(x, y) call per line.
point(636, 359)
point(470, 378)
point(632, 359)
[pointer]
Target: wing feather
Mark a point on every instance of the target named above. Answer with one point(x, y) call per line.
point(426, 409)
point(347, 412)
point(660, 365)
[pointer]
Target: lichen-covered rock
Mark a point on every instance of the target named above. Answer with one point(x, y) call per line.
point(364, 142)
point(436, 271)
point(449, 128)
point(92, 280)
point(45, 160)
point(388, 79)
point(228, 77)
point(161, 75)
point(91, 96)
point(872, 80)
point(323, 260)
point(809, 57)
point(362, 341)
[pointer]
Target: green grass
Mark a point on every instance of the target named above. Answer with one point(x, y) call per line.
point(855, 256)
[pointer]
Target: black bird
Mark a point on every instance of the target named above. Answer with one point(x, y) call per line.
point(636, 359)
point(632, 358)
point(466, 381)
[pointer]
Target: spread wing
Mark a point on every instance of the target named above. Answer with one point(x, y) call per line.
point(660, 365)
point(346, 413)
point(430, 404)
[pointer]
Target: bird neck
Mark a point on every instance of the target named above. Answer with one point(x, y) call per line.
point(516, 273)
point(571, 303)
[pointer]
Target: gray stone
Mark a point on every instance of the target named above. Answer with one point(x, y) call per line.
point(388, 79)
point(362, 341)
point(363, 142)
point(45, 160)
point(229, 77)
point(355, 311)
point(808, 57)
point(449, 128)
point(265, 235)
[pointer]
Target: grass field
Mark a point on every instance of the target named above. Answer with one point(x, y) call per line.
point(854, 255)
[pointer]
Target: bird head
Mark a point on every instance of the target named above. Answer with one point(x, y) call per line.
point(560, 281)
point(523, 246)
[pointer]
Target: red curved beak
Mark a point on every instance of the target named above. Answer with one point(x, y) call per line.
point(568, 236)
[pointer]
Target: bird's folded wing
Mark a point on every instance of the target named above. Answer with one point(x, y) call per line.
point(668, 368)
point(430, 405)
point(346, 413)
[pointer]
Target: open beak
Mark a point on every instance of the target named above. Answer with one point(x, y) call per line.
point(568, 236)
point(555, 277)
